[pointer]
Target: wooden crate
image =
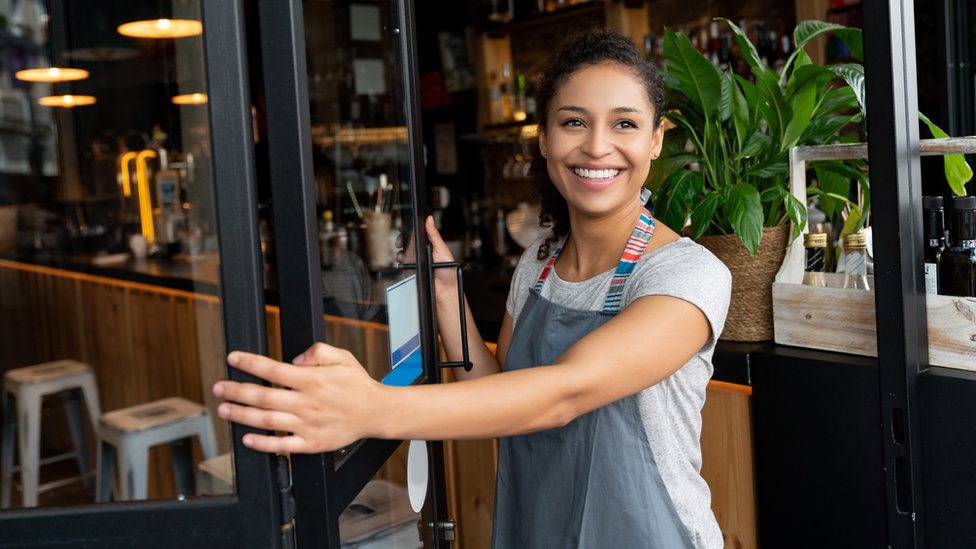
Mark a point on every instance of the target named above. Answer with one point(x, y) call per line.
point(835, 319)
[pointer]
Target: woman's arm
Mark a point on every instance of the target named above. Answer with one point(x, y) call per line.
point(338, 403)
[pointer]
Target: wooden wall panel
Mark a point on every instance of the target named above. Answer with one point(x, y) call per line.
point(727, 462)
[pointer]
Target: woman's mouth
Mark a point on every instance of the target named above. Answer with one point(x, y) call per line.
point(596, 179)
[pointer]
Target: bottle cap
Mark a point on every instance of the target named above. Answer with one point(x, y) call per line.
point(932, 202)
point(815, 240)
point(964, 203)
point(855, 241)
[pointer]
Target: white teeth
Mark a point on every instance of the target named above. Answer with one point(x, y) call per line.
point(596, 174)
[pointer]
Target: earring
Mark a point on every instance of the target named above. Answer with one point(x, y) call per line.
point(545, 154)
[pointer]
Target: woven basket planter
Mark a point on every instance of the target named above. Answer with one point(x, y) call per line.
point(751, 309)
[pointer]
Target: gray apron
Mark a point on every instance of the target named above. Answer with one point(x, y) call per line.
point(592, 483)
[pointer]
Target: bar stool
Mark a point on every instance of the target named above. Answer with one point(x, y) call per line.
point(23, 391)
point(126, 435)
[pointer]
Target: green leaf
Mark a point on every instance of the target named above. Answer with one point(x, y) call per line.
point(826, 128)
point(797, 212)
point(802, 107)
point(676, 197)
point(853, 221)
point(745, 214)
point(833, 185)
point(725, 109)
point(772, 194)
point(804, 32)
point(757, 143)
point(701, 216)
point(700, 80)
point(748, 49)
point(957, 170)
point(778, 112)
point(771, 166)
point(853, 39)
point(853, 74)
point(740, 114)
point(837, 100)
point(802, 75)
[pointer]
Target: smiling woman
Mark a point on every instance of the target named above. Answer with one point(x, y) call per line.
point(605, 288)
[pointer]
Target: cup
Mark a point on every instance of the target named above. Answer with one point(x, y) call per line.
point(139, 246)
point(378, 239)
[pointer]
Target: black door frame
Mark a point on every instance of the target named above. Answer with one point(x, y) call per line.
point(321, 490)
point(893, 148)
point(251, 518)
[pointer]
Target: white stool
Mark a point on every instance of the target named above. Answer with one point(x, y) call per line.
point(131, 432)
point(23, 390)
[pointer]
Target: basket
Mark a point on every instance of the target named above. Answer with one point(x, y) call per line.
point(750, 315)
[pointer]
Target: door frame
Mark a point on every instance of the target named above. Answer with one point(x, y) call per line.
point(321, 489)
point(251, 517)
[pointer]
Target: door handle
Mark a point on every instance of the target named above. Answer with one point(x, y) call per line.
point(458, 266)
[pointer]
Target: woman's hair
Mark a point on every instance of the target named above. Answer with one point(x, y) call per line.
point(582, 50)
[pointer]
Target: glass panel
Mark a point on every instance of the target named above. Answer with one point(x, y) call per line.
point(108, 255)
point(363, 181)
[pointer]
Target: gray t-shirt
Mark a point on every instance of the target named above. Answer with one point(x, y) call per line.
point(670, 409)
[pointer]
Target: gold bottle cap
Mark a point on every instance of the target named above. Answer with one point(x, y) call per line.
point(815, 240)
point(855, 241)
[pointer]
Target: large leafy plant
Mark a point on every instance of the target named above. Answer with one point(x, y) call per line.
point(724, 167)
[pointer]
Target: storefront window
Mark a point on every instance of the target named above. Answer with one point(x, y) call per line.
point(109, 264)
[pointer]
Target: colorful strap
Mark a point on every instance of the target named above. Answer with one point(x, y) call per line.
point(641, 235)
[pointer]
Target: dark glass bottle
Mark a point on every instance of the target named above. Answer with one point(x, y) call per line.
point(934, 227)
point(816, 246)
point(959, 260)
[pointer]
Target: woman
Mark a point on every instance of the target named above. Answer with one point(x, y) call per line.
point(605, 350)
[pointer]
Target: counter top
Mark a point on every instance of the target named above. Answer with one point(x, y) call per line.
point(486, 287)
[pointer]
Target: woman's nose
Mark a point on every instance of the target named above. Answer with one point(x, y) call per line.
point(597, 143)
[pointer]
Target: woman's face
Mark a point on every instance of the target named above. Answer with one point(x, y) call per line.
point(600, 140)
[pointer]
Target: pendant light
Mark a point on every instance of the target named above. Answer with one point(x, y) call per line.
point(51, 74)
point(161, 28)
point(190, 99)
point(67, 101)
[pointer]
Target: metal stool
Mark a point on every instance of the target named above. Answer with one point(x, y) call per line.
point(126, 435)
point(23, 390)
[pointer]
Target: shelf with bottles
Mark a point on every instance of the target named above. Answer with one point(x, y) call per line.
point(510, 54)
point(840, 316)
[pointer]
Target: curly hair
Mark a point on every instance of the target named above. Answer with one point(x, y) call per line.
point(575, 53)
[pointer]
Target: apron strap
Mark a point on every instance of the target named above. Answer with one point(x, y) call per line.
point(636, 245)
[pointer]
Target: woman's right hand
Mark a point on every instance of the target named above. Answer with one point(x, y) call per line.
point(445, 280)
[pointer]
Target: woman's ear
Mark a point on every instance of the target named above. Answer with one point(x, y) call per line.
point(657, 140)
point(543, 144)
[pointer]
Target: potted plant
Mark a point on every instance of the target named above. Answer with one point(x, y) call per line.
point(723, 175)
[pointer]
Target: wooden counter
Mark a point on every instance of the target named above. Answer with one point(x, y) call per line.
point(148, 342)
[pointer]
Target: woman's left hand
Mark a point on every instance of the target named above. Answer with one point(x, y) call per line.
point(327, 400)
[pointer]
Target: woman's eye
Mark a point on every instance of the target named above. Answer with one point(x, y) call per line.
point(627, 124)
point(572, 122)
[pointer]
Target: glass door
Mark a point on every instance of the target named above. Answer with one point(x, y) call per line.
point(130, 259)
point(340, 119)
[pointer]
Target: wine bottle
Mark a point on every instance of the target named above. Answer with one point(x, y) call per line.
point(934, 226)
point(959, 261)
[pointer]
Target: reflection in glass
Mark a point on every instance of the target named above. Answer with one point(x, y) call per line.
point(361, 155)
point(110, 321)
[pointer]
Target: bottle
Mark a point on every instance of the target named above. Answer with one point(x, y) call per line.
point(497, 111)
point(856, 261)
point(326, 234)
point(521, 111)
point(508, 94)
point(959, 260)
point(816, 246)
point(934, 226)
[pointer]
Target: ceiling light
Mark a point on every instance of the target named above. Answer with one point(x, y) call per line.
point(67, 101)
point(161, 28)
point(190, 99)
point(51, 74)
